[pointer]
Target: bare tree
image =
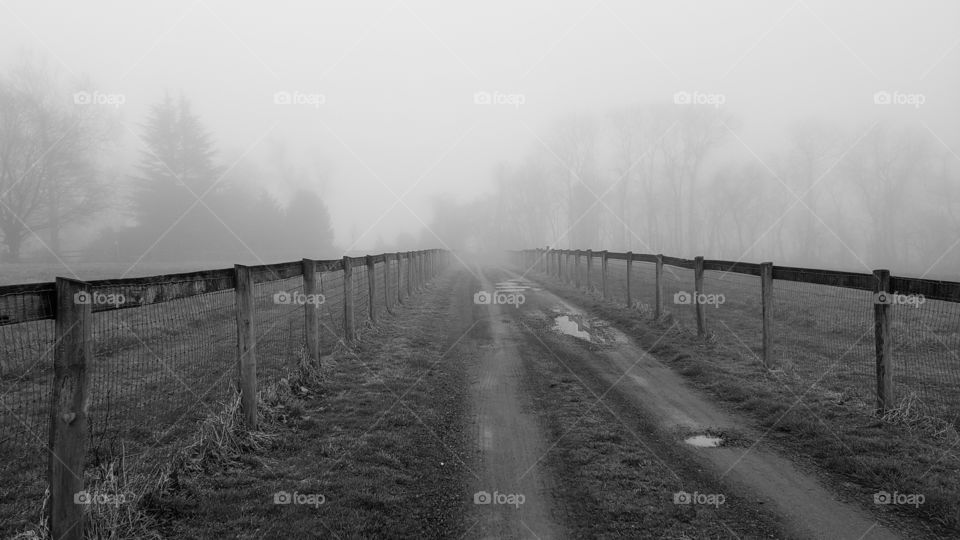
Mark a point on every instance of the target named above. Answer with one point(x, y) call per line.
point(48, 150)
point(575, 144)
point(883, 168)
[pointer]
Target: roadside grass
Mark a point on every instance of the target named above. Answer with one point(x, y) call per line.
point(615, 472)
point(384, 467)
point(158, 371)
point(830, 431)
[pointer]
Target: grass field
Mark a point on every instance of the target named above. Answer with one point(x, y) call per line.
point(822, 335)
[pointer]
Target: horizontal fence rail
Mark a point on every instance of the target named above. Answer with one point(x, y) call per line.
point(888, 341)
point(124, 368)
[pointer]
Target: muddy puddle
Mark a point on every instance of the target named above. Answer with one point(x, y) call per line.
point(586, 328)
point(515, 285)
point(704, 441)
point(571, 327)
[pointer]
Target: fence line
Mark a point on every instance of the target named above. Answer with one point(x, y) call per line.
point(124, 348)
point(892, 299)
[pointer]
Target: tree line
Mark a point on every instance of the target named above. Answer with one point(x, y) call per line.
point(679, 180)
point(180, 202)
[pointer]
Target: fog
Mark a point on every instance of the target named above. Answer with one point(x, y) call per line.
point(806, 133)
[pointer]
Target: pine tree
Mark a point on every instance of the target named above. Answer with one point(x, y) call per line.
point(177, 170)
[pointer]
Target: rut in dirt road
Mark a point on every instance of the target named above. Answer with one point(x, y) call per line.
point(512, 498)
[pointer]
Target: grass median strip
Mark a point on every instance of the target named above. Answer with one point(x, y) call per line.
point(349, 458)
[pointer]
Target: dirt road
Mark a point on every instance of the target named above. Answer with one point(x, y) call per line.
point(517, 493)
point(511, 497)
point(463, 417)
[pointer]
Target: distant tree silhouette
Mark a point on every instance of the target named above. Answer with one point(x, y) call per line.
point(177, 185)
point(48, 151)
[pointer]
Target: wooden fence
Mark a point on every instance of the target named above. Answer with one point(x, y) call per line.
point(880, 283)
point(73, 355)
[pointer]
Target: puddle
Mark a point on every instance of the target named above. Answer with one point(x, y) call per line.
point(571, 327)
point(513, 285)
point(704, 441)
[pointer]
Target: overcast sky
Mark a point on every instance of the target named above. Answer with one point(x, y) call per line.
point(398, 78)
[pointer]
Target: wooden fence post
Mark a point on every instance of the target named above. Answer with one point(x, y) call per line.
point(881, 315)
point(576, 268)
point(349, 332)
point(603, 274)
point(409, 273)
point(698, 292)
point(372, 287)
point(766, 302)
point(589, 265)
point(658, 288)
point(399, 256)
point(311, 313)
point(419, 269)
point(629, 268)
point(386, 282)
point(559, 256)
point(322, 311)
point(246, 344)
point(68, 411)
point(418, 257)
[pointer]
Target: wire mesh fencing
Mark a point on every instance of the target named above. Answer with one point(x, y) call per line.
point(331, 319)
point(823, 324)
point(733, 311)
point(824, 336)
point(380, 278)
point(677, 286)
point(27, 339)
point(926, 344)
point(361, 296)
point(279, 305)
point(164, 358)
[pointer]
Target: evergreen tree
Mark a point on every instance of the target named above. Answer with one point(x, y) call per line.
point(177, 168)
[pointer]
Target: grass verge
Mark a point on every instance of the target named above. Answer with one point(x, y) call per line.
point(372, 449)
point(857, 453)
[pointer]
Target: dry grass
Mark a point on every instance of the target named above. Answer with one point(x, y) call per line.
point(222, 440)
point(910, 414)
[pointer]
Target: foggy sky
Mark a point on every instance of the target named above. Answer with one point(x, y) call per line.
point(398, 78)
